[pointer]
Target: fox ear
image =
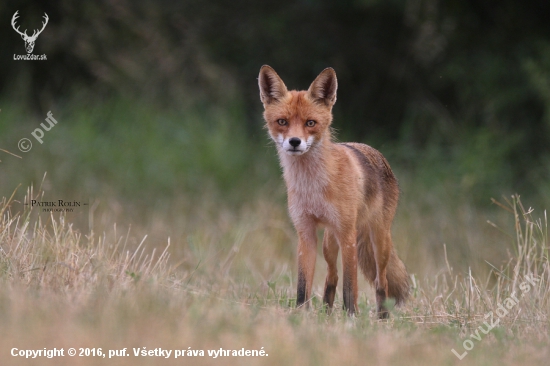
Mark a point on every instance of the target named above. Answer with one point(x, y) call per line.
point(271, 85)
point(323, 88)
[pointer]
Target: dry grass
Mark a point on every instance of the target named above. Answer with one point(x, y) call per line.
point(229, 283)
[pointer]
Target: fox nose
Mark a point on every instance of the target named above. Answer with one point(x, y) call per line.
point(294, 141)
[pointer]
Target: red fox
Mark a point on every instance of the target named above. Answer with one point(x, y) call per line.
point(349, 188)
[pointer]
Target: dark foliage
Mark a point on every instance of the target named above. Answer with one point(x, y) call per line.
point(418, 71)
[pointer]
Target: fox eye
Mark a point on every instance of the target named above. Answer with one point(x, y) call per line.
point(282, 122)
point(310, 123)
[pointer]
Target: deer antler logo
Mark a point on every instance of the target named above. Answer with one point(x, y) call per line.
point(29, 41)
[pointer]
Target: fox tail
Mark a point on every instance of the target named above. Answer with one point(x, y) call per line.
point(396, 273)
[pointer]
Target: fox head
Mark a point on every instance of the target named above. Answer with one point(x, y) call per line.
point(297, 120)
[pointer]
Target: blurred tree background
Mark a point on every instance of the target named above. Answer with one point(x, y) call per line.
point(460, 86)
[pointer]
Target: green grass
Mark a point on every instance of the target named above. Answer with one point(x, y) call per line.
point(186, 242)
point(127, 148)
point(236, 289)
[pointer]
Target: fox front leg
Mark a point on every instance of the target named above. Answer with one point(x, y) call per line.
point(307, 253)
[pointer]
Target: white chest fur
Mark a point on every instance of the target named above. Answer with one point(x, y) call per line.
point(307, 180)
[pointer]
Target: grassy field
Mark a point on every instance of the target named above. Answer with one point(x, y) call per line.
point(185, 245)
